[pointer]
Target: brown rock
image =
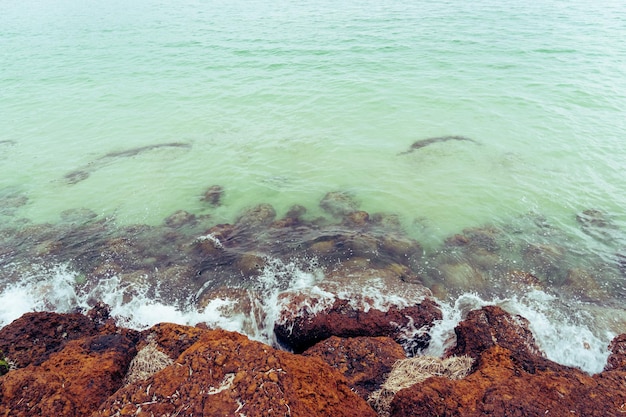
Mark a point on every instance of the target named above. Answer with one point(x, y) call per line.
point(364, 361)
point(172, 339)
point(71, 382)
point(299, 327)
point(226, 374)
point(250, 263)
point(357, 218)
point(32, 338)
point(500, 387)
point(617, 358)
point(512, 378)
point(492, 326)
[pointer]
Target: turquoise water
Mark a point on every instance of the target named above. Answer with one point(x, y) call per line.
point(282, 103)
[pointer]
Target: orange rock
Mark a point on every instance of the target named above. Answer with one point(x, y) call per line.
point(512, 378)
point(172, 339)
point(501, 387)
point(226, 374)
point(34, 336)
point(71, 382)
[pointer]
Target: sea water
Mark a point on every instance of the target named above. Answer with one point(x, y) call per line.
point(132, 110)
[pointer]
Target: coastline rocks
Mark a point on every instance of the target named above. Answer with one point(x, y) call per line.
point(364, 361)
point(500, 387)
point(32, 338)
point(511, 378)
point(172, 369)
point(492, 326)
point(71, 382)
point(308, 319)
point(225, 373)
point(617, 358)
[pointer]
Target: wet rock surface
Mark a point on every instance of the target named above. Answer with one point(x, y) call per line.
point(512, 378)
point(225, 373)
point(492, 326)
point(32, 338)
point(301, 326)
point(191, 253)
point(197, 371)
point(364, 361)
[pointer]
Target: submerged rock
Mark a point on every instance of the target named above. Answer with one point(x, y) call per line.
point(485, 238)
point(78, 215)
point(179, 219)
point(546, 261)
point(583, 284)
point(339, 203)
point(296, 212)
point(213, 195)
point(358, 218)
point(257, 216)
point(461, 276)
point(600, 226)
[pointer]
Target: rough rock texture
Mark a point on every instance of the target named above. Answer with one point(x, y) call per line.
point(364, 361)
point(500, 387)
point(617, 358)
point(300, 328)
point(34, 336)
point(71, 382)
point(172, 339)
point(219, 373)
point(492, 326)
point(226, 374)
point(511, 379)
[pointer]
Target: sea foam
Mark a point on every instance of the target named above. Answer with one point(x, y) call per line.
point(564, 332)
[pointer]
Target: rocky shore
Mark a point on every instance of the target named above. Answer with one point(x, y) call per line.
point(339, 312)
point(85, 365)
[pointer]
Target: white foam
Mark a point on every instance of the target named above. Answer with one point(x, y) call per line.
point(565, 333)
point(442, 333)
point(41, 289)
point(560, 331)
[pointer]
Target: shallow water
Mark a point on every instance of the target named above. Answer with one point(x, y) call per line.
point(282, 105)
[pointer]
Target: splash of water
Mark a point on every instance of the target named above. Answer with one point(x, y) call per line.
point(565, 338)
